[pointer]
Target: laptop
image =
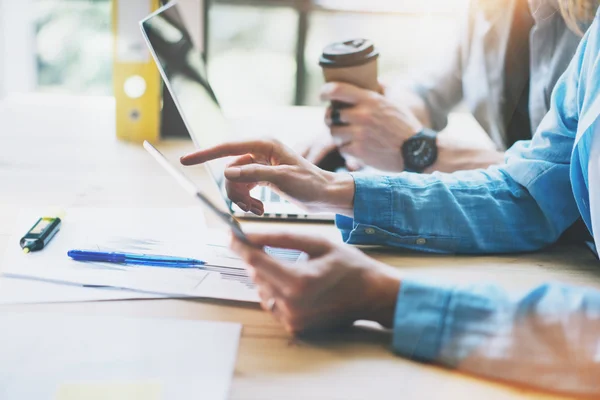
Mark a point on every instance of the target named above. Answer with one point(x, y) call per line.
point(289, 255)
point(184, 72)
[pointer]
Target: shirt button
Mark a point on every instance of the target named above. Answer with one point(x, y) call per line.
point(370, 231)
point(421, 241)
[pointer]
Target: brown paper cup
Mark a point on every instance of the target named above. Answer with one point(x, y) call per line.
point(363, 76)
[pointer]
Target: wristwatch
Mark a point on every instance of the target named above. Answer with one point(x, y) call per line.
point(420, 151)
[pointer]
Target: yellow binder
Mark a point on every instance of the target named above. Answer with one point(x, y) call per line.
point(137, 83)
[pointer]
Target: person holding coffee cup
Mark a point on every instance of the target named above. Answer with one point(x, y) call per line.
point(502, 69)
point(353, 64)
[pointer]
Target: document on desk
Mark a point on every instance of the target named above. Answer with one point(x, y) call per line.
point(169, 232)
point(59, 357)
point(27, 291)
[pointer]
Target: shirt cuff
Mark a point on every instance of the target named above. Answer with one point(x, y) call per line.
point(380, 218)
point(420, 320)
point(373, 213)
point(373, 203)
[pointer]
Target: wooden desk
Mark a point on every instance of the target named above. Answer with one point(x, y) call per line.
point(64, 153)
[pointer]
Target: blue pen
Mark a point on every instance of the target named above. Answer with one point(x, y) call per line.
point(135, 259)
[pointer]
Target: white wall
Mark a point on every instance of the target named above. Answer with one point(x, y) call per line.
point(2, 35)
point(17, 46)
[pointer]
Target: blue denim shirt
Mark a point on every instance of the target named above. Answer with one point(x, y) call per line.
point(549, 337)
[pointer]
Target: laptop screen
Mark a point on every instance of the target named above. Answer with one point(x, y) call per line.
point(184, 72)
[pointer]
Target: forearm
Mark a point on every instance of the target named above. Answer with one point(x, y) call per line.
point(549, 337)
point(482, 211)
point(430, 98)
point(456, 156)
point(338, 195)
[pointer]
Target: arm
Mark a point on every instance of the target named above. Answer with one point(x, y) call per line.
point(377, 125)
point(548, 338)
point(413, 100)
point(374, 130)
point(522, 205)
point(484, 211)
point(436, 96)
point(456, 156)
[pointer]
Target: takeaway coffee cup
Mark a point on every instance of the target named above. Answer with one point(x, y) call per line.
point(353, 61)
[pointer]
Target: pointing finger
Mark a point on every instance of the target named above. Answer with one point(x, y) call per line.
point(260, 147)
point(254, 173)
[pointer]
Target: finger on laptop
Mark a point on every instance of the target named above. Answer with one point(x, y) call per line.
point(258, 147)
point(256, 173)
point(247, 169)
point(240, 195)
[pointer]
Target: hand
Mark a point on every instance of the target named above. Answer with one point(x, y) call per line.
point(337, 286)
point(375, 128)
point(323, 152)
point(270, 163)
point(319, 148)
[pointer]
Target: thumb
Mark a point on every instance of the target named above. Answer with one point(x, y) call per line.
point(253, 173)
point(314, 246)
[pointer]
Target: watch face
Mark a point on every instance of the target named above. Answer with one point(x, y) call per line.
point(419, 152)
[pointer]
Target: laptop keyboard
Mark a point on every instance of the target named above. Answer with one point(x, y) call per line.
point(266, 195)
point(275, 205)
point(275, 198)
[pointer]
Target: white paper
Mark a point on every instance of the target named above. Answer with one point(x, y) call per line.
point(174, 232)
point(27, 291)
point(43, 355)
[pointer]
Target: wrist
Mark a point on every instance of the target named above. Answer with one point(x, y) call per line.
point(445, 148)
point(339, 193)
point(454, 155)
point(382, 287)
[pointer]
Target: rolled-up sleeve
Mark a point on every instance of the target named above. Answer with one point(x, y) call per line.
point(485, 211)
point(548, 337)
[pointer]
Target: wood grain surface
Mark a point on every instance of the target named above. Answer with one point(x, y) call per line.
point(62, 153)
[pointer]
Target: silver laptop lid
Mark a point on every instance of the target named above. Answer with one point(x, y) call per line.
point(184, 72)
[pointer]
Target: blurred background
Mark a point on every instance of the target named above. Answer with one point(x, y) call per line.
point(260, 52)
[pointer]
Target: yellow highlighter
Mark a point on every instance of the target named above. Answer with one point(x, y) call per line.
point(40, 234)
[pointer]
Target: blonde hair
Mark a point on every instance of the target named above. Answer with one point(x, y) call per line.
point(578, 12)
